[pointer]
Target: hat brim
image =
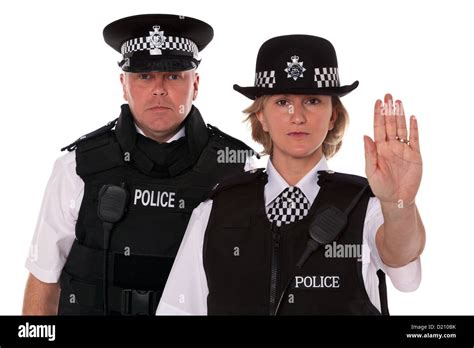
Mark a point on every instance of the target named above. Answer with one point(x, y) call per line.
point(255, 92)
point(164, 64)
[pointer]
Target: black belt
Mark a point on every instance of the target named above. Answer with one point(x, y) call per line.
point(121, 301)
point(147, 273)
point(133, 301)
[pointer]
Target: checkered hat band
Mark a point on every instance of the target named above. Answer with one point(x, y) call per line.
point(290, 206)
point(172, 43)
point(265, 79)
point(326, 77)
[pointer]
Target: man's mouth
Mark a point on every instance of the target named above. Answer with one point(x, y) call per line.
point(159, 108)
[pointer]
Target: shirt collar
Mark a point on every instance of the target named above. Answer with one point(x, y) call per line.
point(181, 133)
point(308, 184)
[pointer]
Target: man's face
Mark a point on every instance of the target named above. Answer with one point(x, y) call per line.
point(160, 101)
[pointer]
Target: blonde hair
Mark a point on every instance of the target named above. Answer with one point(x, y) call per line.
point(332, 143)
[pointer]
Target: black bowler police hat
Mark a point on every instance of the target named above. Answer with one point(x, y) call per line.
point(296, 64)
point(158, 42)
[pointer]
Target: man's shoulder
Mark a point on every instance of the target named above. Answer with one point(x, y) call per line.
point(90, 136)
point(65, 163)
point(225, 139)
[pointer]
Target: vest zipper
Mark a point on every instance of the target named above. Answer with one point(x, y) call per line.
point(274, 274)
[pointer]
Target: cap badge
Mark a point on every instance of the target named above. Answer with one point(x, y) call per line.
point(294, 68)
point(156, 40)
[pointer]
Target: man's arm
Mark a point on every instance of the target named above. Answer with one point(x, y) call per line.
point(40, 298)
point(53, 237)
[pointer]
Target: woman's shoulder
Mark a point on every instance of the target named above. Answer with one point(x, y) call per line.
point(341, 183)
point(239, 182)
point(332, 176)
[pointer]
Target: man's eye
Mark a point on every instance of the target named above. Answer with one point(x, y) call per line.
point(173, 77)
point(144, 76)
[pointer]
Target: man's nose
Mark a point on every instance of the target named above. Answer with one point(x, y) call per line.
point(159, 88)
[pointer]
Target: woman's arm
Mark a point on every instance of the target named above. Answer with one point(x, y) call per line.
point(394, 170)
point(401, 238)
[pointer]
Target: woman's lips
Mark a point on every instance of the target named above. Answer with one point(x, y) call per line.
point(298, 134)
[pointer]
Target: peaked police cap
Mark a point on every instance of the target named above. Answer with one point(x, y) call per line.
point(158, 42)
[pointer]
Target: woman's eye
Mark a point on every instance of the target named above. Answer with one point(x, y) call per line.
point(313, 101)
point(282, 102)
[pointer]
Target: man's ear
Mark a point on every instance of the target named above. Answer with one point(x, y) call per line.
point(195, 85)
point(122, 81)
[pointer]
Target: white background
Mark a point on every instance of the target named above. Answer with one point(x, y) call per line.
point(59, 80)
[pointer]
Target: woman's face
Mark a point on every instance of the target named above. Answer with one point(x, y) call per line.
point(297, 124)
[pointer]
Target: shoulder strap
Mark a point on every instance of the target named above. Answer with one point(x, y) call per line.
point(97, 151)
point(91, 135)
point(329, 176)
point(236, 180)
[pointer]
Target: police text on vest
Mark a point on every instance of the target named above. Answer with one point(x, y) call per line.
point(37, 331)
point(149, 198)
point(317, 282)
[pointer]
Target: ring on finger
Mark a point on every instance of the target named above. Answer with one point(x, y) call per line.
point(404, 141)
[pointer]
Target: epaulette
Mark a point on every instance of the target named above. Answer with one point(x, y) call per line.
point(216, 131)
point(91, 135)
point(326, 176)
point(236, 180)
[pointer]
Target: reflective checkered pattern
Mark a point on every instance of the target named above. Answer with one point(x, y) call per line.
point(326, 77)
point(265, 79)
point(172, 43)
point(291, 205)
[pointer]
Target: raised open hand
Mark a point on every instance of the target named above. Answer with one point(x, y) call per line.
point(393, 162)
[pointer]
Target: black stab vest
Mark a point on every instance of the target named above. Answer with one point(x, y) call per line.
point(162, 193)
point(248, 261)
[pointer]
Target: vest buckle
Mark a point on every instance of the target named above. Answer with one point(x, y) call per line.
point(137, 302)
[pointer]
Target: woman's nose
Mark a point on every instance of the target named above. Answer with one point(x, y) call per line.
point(296, 114)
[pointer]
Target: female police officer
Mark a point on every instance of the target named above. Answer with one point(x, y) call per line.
point(299, 238)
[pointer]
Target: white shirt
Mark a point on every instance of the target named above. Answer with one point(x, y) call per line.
point(56, 226)
point(186, 289)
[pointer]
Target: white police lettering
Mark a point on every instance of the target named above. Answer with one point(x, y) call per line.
point(317, 282)
point(149, 198)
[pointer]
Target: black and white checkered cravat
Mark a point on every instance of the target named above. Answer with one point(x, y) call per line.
point(291, 205)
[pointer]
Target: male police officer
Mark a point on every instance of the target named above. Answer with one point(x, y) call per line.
point(117, 205)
